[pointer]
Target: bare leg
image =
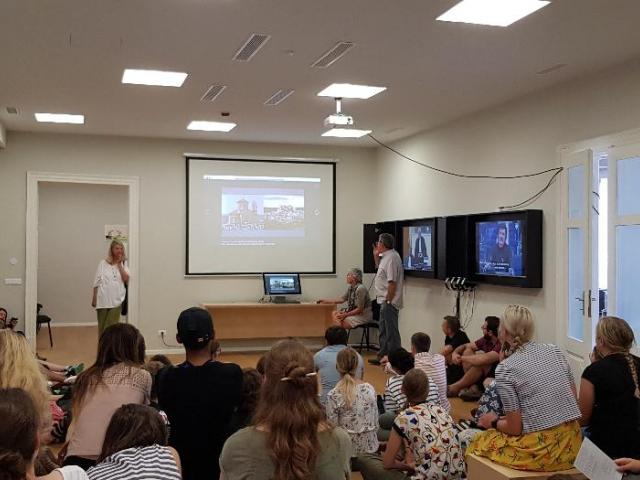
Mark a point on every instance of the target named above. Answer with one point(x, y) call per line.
point(467, 351)
point(471, 377)
point(53, 366)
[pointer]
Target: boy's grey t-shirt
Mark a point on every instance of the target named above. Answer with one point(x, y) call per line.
point(325, 362)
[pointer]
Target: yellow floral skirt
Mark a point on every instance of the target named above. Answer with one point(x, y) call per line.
point(548, 450)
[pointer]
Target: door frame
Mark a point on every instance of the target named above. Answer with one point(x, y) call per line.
point(598, 145)
point(31, 245)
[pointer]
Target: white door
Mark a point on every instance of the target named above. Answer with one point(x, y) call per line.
point(579, 252)
point(624, 234)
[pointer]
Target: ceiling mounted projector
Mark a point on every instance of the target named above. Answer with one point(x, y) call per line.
point(339, 124)
point(338, 120)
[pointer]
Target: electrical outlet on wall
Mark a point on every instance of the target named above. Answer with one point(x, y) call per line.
point(162, 333)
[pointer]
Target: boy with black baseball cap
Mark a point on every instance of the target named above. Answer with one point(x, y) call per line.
point(199, 397)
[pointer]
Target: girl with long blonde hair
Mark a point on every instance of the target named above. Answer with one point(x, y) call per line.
point(352, 405)
point(290, 438)
point(610, 392)
point(19, 369)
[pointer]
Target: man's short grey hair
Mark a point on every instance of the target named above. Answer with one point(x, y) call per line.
point(387, 240)
point(356, 272)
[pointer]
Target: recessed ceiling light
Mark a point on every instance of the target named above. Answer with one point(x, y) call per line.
point(60, 118)
point(211, 126)
point(347, 90)
point(498, 13)
point(153, 77)
point(346, 133)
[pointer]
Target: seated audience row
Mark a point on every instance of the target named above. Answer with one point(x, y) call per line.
point(529, 416)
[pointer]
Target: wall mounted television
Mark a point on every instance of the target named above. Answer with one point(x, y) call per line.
point(417, 246)
point(506, 248)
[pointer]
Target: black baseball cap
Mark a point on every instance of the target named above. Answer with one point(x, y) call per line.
point(195, 328)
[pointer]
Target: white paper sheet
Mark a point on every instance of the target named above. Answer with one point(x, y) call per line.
point(595, 464)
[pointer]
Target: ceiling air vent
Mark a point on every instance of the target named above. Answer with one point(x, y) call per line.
point(279, 97)
point(333, 55)
point(12, 110)
point(212, 93)
point(254, 43)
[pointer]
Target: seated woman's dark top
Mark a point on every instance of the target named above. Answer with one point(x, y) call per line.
point(614, 425)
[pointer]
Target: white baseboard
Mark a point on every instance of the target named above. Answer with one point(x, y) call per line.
point(72, 324)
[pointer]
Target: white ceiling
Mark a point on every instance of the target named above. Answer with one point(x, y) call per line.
point(68, 56)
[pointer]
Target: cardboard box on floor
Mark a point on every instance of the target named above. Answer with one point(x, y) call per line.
point(479, 468)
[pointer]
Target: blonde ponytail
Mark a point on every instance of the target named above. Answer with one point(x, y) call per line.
point(347, 364)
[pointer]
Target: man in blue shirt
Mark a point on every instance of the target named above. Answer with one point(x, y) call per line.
point(325, 360)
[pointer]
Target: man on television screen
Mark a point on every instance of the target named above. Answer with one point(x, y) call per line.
point(500, 254)
point(420, 253)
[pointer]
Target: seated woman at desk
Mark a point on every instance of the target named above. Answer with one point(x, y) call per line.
point(358, 302)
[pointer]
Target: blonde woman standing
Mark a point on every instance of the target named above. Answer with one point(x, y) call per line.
point(109, 286)
point(352, 405)
point(539, 430)
point(610, 393)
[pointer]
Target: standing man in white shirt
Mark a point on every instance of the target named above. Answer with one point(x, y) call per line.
point(388, 287)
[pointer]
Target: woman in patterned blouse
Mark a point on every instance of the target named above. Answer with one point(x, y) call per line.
point(539, 429)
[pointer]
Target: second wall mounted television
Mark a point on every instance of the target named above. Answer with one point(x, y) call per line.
point(506, 248)
point(417, 246)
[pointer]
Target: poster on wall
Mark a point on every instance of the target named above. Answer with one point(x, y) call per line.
point(120, 232)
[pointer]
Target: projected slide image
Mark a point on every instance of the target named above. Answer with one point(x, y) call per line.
point(499, 248)
point(416, 251)
point(255, 213)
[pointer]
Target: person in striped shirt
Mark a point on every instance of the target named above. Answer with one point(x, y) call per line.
point(395, 400)
point(539, 430)
point(135, 447)
point(433, 364)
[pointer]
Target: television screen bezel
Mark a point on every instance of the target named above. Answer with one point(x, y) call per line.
point(266, 290)
point(429, 221)
point(531, 223)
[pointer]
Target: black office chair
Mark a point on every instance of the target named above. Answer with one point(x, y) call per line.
point(41, 320)
point(365, 340)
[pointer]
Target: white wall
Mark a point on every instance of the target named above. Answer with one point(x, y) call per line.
point(160, 164)
point(71, 242)
point(516, 137)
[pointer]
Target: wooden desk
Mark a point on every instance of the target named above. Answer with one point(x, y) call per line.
point(269, 320)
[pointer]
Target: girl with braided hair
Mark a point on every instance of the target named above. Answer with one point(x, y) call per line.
point(290, 438)
point(539, 430)
point(610, 392)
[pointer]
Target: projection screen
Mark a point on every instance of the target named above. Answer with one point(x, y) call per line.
point(252, 216)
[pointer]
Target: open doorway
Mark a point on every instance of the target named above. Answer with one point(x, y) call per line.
point(76, 223)
point(68, 299)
